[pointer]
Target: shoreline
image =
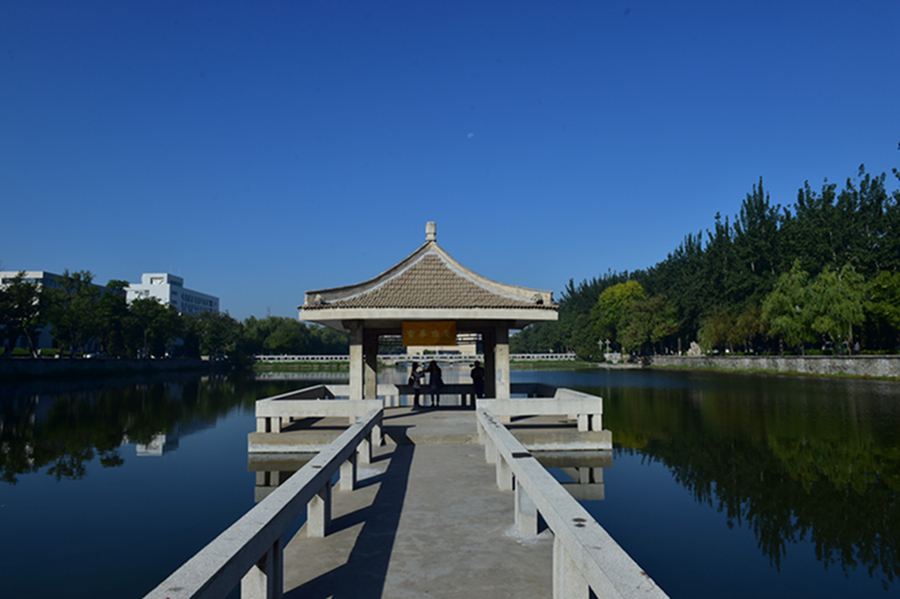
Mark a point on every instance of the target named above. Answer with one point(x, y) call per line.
point(26, 369)
point(873, 367)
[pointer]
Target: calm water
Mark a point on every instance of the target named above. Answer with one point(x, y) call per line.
point(721, 485)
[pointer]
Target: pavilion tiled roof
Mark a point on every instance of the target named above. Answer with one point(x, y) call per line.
point(429, 282)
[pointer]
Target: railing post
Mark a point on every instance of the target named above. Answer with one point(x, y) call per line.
point(584, 423)
point(490, 451)
point(265, 580)
point(318, 513)
point(376, 435)
point(348, 474)
point(504, 475)
point(364, 451)
point(568, 582)
point(526, 513)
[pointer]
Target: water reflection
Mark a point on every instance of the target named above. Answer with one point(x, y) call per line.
point(579, 472)
point(63, 427)
point(790, 459)
point(273, 469)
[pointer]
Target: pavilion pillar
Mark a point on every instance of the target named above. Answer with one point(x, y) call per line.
point(488, 343)
point(356, 361)
point(370, 350)
point(501, 362)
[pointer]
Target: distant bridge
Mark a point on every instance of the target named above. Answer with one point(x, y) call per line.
point(444, 358)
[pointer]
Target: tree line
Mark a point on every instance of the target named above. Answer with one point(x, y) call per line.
point(823, 272)
point(85, 317)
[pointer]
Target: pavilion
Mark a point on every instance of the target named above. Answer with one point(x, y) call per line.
point(428, 297)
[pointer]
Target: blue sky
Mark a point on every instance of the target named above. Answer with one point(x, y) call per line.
point(262, 149)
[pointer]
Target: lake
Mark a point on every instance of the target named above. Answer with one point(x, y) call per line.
point(721, 485)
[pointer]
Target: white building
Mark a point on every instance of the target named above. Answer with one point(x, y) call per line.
point(170, 289)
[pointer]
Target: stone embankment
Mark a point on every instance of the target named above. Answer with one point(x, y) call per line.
point(880, 366)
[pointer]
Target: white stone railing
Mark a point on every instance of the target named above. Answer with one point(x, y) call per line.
point(587, 409)
point(250, 551)
point(541, 357)
point(585, 557)
point(397, 358)
point(304, 358)
point(272, 413)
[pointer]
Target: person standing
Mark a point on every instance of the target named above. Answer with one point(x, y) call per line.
point(415, 380)
point(477, 380)
point(435, 382)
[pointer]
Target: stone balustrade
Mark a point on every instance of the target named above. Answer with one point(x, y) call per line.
point(585, 558)
point(407, 358)
point(250, 552)
point(587, 409)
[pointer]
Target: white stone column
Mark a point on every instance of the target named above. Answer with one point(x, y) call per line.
point(501, 359)
point(526, 513)
point(568, 582)
point(348, 474)
point(504, 475)
point(356, 362)
point(318, 513)
point(370, 350)
point(265, 580)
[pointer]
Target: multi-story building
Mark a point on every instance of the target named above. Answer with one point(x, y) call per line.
point(170, 289)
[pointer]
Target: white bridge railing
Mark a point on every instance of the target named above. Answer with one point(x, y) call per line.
point(585, 558)
point(250, 551)
point(406, 358)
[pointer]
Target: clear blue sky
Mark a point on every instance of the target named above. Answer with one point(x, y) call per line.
point(261, 149)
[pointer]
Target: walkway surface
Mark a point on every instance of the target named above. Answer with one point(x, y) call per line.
point(426, 521)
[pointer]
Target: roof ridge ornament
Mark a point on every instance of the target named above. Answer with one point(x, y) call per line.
point(430, 231)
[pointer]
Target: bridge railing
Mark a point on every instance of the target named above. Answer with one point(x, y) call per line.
point(272, 413)
point(406, 358)
point(586, 409)
point(585, 557)
point(250, 551)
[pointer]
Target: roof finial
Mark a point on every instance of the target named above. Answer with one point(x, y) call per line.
point(430, 231)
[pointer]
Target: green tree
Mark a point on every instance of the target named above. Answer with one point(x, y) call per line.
point(24, 306)
point(837, 299)
point(219, 333)
point(112, 312)
point(884, 301)
point(606, 315)
point(289, 337)
point(646, 322)
point(75, 317)
point(885, 296)
point(748, 326)
point(326, 341)
point(152, 326)
point(757, 247)
point(716, 330)
point(787, 308)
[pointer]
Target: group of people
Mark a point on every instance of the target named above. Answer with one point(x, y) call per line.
point(436, 381)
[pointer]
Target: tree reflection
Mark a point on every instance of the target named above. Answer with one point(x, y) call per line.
point(64, 427)
point(789, 464)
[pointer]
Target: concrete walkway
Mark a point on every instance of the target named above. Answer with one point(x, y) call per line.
point(428, 521)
